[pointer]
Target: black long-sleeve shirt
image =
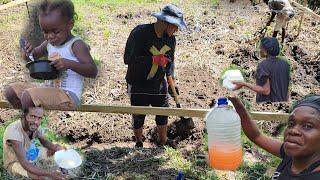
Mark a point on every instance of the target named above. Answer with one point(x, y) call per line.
point(138, 57)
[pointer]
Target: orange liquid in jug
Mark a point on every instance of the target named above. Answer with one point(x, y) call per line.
point(222, 159)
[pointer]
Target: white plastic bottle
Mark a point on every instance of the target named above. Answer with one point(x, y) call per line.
point(224, 136)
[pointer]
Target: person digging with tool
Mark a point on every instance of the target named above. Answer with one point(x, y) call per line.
point(20, 149)
point(283, 11)
point(149, 54)
point(70, 55)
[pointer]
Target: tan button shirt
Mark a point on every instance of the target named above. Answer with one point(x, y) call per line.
point(15, 132)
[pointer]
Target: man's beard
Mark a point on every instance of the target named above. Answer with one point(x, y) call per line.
point(32, 127)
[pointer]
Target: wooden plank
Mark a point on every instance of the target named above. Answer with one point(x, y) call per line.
point(301, 7)
point(144, 110)
point(302, 18)
point(134, 110)
point(12, 4)
point(267, 116)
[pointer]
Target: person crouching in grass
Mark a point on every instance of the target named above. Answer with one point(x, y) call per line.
point(20, 149)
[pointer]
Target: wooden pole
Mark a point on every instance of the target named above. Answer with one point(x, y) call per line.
point(12, 3)
point(301, 7)
point(302, 17)
point(201, 113)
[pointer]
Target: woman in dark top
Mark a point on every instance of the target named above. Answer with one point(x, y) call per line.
point(300, 151)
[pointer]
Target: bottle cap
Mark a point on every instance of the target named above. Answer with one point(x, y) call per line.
point(222, 101)
point(180, 176)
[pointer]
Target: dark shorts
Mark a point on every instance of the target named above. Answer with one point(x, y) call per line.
point(146, 99)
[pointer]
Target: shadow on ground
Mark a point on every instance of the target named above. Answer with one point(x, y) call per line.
point(127, 163)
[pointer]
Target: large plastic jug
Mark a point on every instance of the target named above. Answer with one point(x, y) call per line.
point(229, 76)
point(224, 136)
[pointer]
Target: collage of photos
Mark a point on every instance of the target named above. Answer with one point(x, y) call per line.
point(158, 89)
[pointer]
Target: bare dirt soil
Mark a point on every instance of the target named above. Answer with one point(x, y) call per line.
point(218, 37)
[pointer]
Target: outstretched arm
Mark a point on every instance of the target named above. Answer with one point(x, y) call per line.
point(265, 89)
point(251, 130)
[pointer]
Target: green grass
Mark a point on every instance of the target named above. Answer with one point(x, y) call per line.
point(269, 31)
point(2, 129)
point(259, 169)
point(176, 160)
point(78, 28)
point(51, 136)
point(247, 104)
point(102, 3)
point(5, 1)
point(241, 21)
point(6, 22)
point(215, 3)
point(237, 22)
point(192, 167)
point(205, 141)
point(112, 4)
point(254, 171)
point(3, 174)
point(97, 61)
point(103, 17)
point(106, 34)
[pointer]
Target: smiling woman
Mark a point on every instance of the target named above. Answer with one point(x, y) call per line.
point(300, 151)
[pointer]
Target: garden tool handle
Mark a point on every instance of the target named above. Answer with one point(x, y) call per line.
point(174, 92)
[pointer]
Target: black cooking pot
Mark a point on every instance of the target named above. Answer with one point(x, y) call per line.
point(41, 69)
